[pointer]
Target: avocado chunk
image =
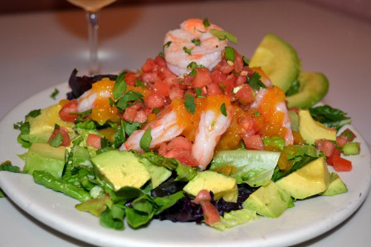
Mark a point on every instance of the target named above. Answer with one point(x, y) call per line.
point(313, 87)
point(220, 185)
point(312, 130)
point(278, 60)
point(121, 168)
point(336, 187)
point(158, 174)
point(310, 180)
point(269, 201)
point(43, 157)
point(42, 126)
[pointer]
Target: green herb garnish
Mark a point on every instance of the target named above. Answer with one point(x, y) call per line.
point(255, 82)
point(146, 139)
point(186, 50)
point(223, 35)
point(197, 42)
point(120, 86)
point(189, 103)
point(198, 92)
point(54, 93)
point(57, 140)
point(223, 109)
point(34, 113)
point(139, 83)
point(167, 44)
point(206, 23)
point(229, 53)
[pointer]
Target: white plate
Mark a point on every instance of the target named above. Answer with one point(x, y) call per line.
point(308, 219)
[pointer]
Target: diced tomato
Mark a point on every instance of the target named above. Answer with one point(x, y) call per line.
point(130, 113)
point(202, 195)
point(154, 100)
point(228, 84)
point(341, 164)
point(183, 156)
point(94, 141)
point(175, 92)
point(349, 135)
point(150, 77)
point(245, 95)
point(325, 146)
point(329, 160)
point(213, 89)
point(64, 132)
point(238, 62)
point(161, 88)
point(141, 116)
point(217, 76)
point(211, 214)
point(248, 126)
point(180, 142)
point(203, 78)
point(160, 61)
point(70, 107)
point(254, 142)
point(341, 140)
point(149, 65)
point(240, 80)
point(130, 78)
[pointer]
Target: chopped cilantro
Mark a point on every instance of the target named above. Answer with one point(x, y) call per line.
point(229, 53)
point(57, 140)
point(131, 127)
point(167, 44)
point(156, 110)
point(130, 96)
point(81, 115)
point(146, 139)
point(104, 142)
point(222, 35)
point(197, 42)
point(245, 61)
point(198, 92)
point(139, 83)
point(206, 23)
point(120, 86)
point(188, 51)
point(255, 82)
point(34, 113)
point(223, 109)
point(54, 93)
point(111, 101)
point(189, 103)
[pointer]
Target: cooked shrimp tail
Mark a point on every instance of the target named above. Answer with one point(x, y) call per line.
point(164, 129)
point(212, 125)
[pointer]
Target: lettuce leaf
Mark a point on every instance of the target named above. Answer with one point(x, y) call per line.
point(235, 218)
point(252, 167)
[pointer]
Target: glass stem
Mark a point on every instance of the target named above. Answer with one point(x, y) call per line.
point(93, 42)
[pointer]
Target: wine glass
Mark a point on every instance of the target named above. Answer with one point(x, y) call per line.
point(92, 8)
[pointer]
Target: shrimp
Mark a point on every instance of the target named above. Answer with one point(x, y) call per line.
point(274, 107)
point(211, 126)
point(164, 129)
point(97, 100)
point(193, 42)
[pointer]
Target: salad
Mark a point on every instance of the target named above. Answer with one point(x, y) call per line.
point(199, 134)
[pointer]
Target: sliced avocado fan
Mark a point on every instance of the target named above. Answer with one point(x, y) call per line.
point(278, 60)
point(313, 87)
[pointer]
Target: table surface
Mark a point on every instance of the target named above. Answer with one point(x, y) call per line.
point(40, 50)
